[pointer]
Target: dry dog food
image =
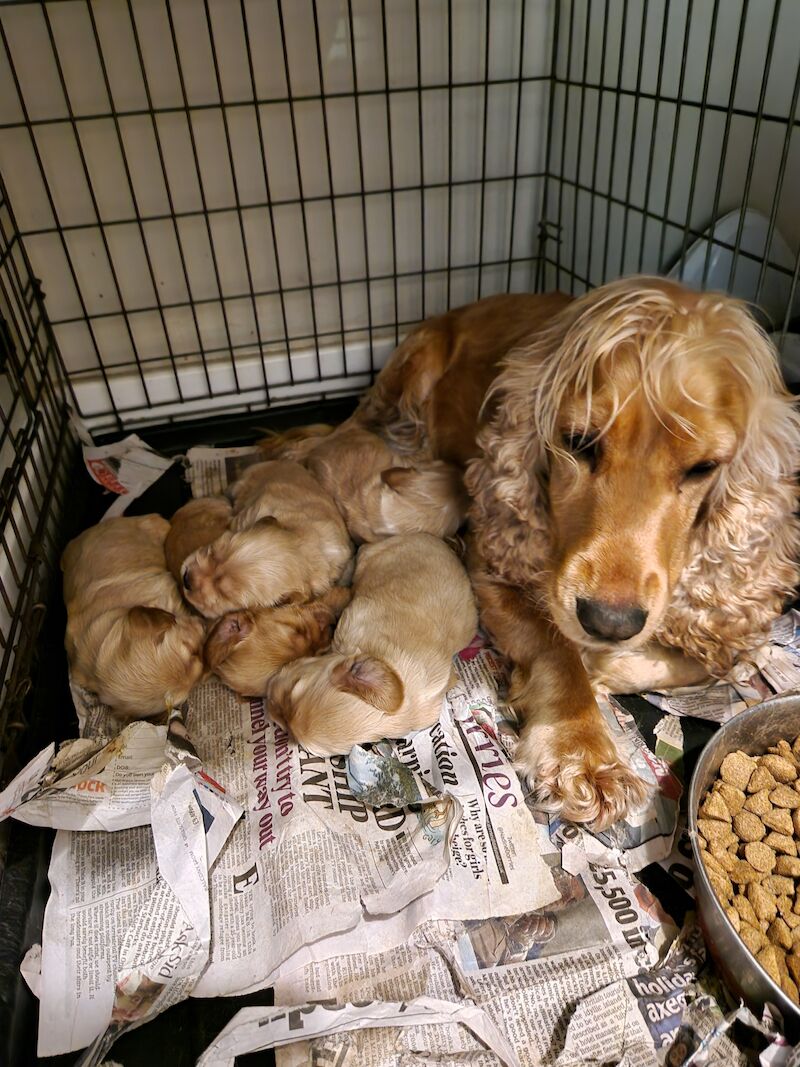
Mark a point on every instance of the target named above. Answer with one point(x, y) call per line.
point(749, 832)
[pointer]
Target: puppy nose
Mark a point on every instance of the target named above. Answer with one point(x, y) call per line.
point(187, 581)
point(610, 622)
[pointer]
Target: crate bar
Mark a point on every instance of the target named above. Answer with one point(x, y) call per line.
point(235, 184)
point(295, 144)
point(132, 194)
point(565, 127)
point(517, 126)
point(357, 108)
point(699, 144)
point(579, 151)
point(165, 178)
point(614, 131)
point(57, 228)
point(596, 156)
point(418, 28)
point(776, 9)
point(390, 147)
point(634, 125)
point(486, 32)
point(200, 185)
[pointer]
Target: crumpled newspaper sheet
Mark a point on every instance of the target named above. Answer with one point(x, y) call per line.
point(126, 468)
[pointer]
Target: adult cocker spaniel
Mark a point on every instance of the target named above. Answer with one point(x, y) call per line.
point(631, 458)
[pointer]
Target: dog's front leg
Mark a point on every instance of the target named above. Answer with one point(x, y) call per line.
point(565, 744)
point(653, 667)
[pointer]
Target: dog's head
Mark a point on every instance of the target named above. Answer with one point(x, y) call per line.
point(245, 648)
point(150, 661)
point(332, 702)
point(635, 439)
point(242, 569)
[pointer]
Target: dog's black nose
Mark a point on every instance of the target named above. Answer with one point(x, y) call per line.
point(610, 622)
point(187, 581)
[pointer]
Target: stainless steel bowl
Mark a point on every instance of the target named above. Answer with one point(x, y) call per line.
point(753, 731)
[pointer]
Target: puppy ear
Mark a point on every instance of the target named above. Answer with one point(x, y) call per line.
point(226, 634)
point(265, 523)
point(150, 622)
point(371, 680)
point(398, 477)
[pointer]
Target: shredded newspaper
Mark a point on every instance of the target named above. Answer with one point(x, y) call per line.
point(126, 468)
point(407, 903)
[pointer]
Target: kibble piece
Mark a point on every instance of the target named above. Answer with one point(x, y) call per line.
point(793, 964)
point(712, 864)
point(783, 796)
point(761, 778)
point(714, 807)
point(796, 822)
point(760, 855)
point(734, 798)
point(796, 748)
point(743, 873)
point(759, 803)
point(721, 885)
point(733, 916)
point(781, 769)
point(736, 769)
point(784, 902)
point(723, 857)
point(781, 843)
point(779, 819)
point(783, 748)
point(789, 865)
point(778, 884)
point(764, 904)
point(712, 829)
point(769, 958)
point(752, 937)
point(790, 989)
point(780, 934)
point(791, 920)
point(748, 827)
point(745, 909)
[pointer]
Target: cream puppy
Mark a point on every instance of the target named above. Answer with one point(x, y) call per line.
point(390, 662)
point(286, 541)
point(381, 492)
point(130, 638)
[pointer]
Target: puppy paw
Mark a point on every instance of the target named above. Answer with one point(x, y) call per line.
point(577, 771)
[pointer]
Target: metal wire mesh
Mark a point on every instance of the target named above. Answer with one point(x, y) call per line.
point(673, 147)
point(35, 448)
point(239, 201)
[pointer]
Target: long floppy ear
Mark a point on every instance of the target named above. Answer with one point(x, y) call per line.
point(144, 622)
point(371, 680)
point(744, 551)
point(507, 483)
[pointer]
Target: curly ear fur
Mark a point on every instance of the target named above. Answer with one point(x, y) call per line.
point(743, 555)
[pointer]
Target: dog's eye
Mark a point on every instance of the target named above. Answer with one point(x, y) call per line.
point(700, 470)
point(585, 445)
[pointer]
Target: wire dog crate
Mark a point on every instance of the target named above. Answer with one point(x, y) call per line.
point(222, 206)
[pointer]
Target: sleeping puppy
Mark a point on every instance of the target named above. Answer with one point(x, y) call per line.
point(129, 636)
point(245, 648)
point(390, 662)
point(380, 493)
point(286, 541)
point(193, 526)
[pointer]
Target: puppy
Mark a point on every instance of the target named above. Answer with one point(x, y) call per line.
point(193, 526)
point(380, 493)
point(129, 636)
point(245, 648)
point(286, 540)
point(390, 662)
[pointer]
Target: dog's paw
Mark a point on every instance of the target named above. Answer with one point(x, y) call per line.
point(577, 771)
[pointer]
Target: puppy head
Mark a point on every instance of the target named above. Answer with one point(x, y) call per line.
point(242, 569)
point(150, 661)
point(245, 648)
point(330, 703)
point(641, 412)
